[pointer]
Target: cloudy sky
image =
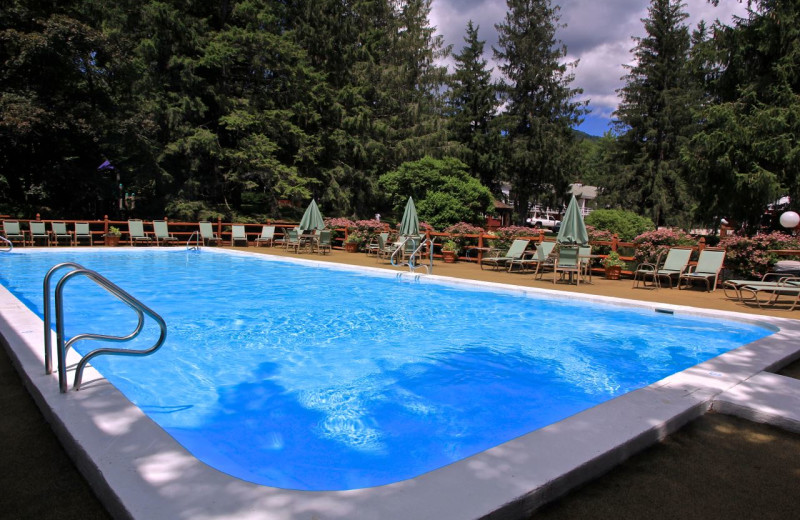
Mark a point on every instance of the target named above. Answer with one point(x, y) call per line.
point(598, 33)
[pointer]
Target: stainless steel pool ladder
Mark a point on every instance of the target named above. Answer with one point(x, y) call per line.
point(197, 242)
point(7, 243)
point(412, 266)
point(63, 346)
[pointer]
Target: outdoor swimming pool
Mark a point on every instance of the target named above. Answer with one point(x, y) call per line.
point(316, 378)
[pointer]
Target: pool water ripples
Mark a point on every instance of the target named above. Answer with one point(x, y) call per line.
point(321, 379)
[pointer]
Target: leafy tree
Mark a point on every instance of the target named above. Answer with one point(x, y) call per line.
point(473, 105)
point(655, 119)
point(540, 111)
point(444, 192)
point(746, 154)
point(627, 225)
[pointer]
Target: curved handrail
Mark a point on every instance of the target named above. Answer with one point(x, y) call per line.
point(195, 247)
point(429, 266)
point(140, 309)
point(400, 249)
point(48, 348)
point(8, 243)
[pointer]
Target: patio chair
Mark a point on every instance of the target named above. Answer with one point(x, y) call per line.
point(207, 234)
point(734, 289)
point(585, 255)
point(267, 236)
point(38, 231)
point(567, 262)
point(709, 264)
point(324, 242)
point(515, 252)
point(238, 235)
point(136, 232)
point(292, 239)
point(60, 232)
point(161, 232)
point(675, 264)
point(790, 288)
point(82, 232)
point(543, 258)
point(376, 243)
point(12, 231)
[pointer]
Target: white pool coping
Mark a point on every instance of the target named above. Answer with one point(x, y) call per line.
point(141, 472)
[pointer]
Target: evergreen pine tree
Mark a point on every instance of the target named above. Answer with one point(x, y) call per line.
point(473, 103)
point(540, 110)
point(654, 119)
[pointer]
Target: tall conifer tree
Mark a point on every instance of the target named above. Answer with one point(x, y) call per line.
point(654, 119)
point(473, 106)
point(541, 110)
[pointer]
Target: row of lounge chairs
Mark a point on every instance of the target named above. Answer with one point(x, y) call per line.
point(766, 292)
point(38, 233)
point(570, 261)
point(675, 267)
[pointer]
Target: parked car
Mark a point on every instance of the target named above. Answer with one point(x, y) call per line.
point(539, 221)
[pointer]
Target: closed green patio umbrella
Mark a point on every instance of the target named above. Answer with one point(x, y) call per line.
point(573, 230)
point(410, 223)
point(312, 218)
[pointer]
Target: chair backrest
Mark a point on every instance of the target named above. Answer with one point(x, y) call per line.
point(544, 250)
point(38, 229)
point(710, 261)
point(382, 240)
point(206, 231)
point(136, 228)
point(585, 251)
point(325, 237)
point(517, 248)
point(82, 229)
point(160, 228)
point(237, 232)
point(11, 227)
point(59, 228)
point(291, 235)
point(568, 256)
point(267, 232)
point(677, 259)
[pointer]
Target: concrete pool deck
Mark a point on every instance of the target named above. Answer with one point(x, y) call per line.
point(158, 479)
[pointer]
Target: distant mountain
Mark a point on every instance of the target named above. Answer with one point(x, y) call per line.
point(580, 136)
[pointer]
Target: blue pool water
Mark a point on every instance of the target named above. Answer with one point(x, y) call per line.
point(323, 379)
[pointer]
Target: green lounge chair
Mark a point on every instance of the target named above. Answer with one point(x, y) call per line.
point(709, 264)
point(38, 231)
point(60, 232)
point(238, 235)
point(207, 234)
point(747, 290)
point(324, 242)
point(515, 252)
point(267, 236)
point(585, 256)
point(82, 232)
point(161, 232)
point(675, 264)
point(568, 262)
point(136, 232)
point(12, 231)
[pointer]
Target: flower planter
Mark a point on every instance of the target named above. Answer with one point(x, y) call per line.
point(613, 272)
point(449, 256)
point(351, 247)
point(111, 240)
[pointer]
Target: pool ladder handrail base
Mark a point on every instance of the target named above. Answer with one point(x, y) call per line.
point(7, 243)
point(198, 243)
point(63, 346)
point(412, 266)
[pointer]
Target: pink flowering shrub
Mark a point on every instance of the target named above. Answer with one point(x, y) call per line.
point(339, 222)
point(599, 235)
point(749, 257)
point(506, 235)
point(652, 243)
point(457, 232)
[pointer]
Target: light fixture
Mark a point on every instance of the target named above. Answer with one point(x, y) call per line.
point(790, 220)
